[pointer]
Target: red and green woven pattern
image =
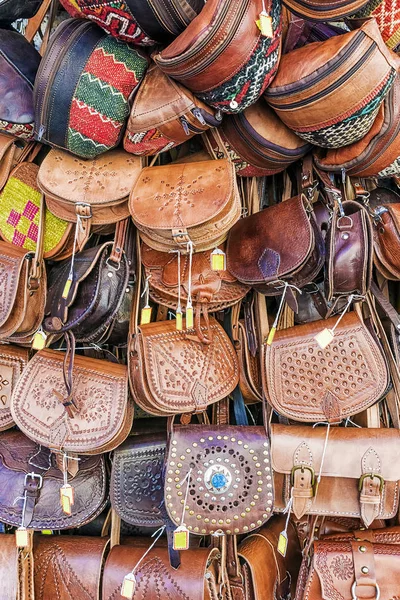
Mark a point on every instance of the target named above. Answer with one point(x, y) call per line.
point(387, 15)
point(100, 106)
point(147, 143)
point(23, 131)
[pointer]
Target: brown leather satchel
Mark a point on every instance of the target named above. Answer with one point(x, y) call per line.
point(304, 382)
point(9, 568)
point(386, 232)
point(261, 254)
point(80, 407)
point(165, 114)
point(176, 204)
point(29, 477)
point(227, 471)
point(68, 567)
point(93, 191)
point(345, 471)
point(197, 577)
point(13, 360)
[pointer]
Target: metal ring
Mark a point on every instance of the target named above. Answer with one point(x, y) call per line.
point(353, 591)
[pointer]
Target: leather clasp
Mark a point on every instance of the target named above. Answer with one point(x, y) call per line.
point(302, 468)
point(371, 476)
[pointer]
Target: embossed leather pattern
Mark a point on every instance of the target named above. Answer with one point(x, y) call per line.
point(305, 383)
point(228, 471)
point(172, 373)
point(196, 578)
point(174, 204)
point(136, 486)
point(100, 392)
point(266, 254)
point(359, 478)
point(12, 362)
point(19, 456)
point(68, 567)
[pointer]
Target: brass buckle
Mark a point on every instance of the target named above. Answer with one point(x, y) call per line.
point(353, 591)
point(302, 468)
point(371, 476)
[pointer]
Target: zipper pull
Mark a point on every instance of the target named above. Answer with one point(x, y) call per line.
point(185, 126)
point(42, 129)
point(196, 112)
point(218, 115)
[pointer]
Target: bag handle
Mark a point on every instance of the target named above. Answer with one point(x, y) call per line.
point(213, 135)
point(35, 22)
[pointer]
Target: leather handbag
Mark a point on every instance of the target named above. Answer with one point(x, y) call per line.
point(325, 10)
point(9, 567)
point(365, 566)
point(145, 22)
point(12, 151)
point(176, 204)
point(136, 486)
point(363, 485)
point(227, 471)
point(339, 109)
point(259, 143)
point(165, 114)
point(83, 89)
point(80, 407)
point(20, 203)
point(385, 205)
point(13, 360)
point(96, 280)
point(273, 576)
point(307, 383)
point(29, 476)
point(386, 14)
point(11, 10)
point(19, 62)
point(377, 152)
point(223, 57)
point(94, 192)
point(266, 257)
point(197, 577)
point(68, 566)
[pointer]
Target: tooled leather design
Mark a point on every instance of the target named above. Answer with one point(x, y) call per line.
point(9, 269)
point(11, 367)
point(100, 397)
point(241, 454)
point(305, 381)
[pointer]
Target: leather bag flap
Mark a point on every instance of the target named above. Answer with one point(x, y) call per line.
point(394, 211)
point(11, 263)
point(360, 447)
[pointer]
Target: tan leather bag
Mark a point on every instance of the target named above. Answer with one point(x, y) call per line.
point(176, 204)
point(359, 477)
point(80, 407)
point(13, 360)
point(305, 383)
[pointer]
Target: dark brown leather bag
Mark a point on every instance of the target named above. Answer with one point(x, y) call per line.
point(13, 360)
point(386, 231)
point(29, 471)
point(260, 254)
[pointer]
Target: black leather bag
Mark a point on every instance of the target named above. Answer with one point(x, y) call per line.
point(11, 10)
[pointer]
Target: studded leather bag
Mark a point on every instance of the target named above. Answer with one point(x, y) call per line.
point(365, 485)
point(176, 204)
point(13, 360)
point(227, 471)
point(164, 115)
point(307, 383)
point(29, 472)
point(78, 405)
point(266, 257)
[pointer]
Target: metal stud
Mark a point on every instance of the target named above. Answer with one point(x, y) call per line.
point(245, 528)
point(210, 437)
point(364, 570)
point(194, 444)
point(240, 442)
point(245, 446)
point(362, 549)
point(202, 440)
point(236, 530)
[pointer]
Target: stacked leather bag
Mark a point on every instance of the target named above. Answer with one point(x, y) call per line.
point(199, 296)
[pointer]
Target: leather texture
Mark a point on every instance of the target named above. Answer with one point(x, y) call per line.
point(103, 416)
point(13, 360)
point(171, 372)
point(196, 578)
point(220, 464)
point(325, 10)
point(136, 487)
point(305, 383)
point(25, 467)
point(365, 485)
point(11, 10)
point(19, 62)
point(165, 114)
point(266, 256)
point(339, 109)
point(9, 567)
point(68, 567)
point(386, 234)
point(222, 56)
point(174, 204)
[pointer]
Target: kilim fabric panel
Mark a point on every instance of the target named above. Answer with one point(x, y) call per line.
point(387, 15)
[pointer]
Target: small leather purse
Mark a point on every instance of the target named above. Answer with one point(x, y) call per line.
point(227, 471)
point(345, 471)
point(304, 382)
point(260, 254)
point(76, 405)
point(28, 473)
point(176, 204)
point(13, 360)
point(164, 114)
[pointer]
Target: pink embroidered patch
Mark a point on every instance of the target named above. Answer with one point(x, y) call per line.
point(30, 210)
point(33, 232)
point(14, 218)
point(19, 239)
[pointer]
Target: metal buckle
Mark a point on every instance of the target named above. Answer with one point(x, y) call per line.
point(371, 476)
point(302, 468)
point(353, 591)
point(34, 476)
point(86, 205)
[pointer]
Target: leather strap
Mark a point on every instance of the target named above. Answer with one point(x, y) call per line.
point(84, 211)
point(386, 307)
point(26, 571)
point(115, 537)
point(36, 269)
point(302, 480)
point(371, 487)
point(365, 587)
point(36, 21)
point(117, 250)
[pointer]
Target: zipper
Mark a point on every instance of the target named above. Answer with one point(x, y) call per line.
point(334, 85)
point(203, 117)
point(306, 85)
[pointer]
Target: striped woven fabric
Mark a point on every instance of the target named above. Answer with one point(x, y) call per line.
point(387, 15)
